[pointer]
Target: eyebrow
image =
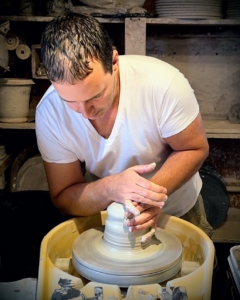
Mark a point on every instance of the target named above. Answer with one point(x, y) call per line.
point(87, 99)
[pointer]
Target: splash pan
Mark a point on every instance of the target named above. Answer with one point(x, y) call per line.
point(55, 262)
point(94, 259)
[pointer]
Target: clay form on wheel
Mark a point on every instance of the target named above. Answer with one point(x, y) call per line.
point(113, 255)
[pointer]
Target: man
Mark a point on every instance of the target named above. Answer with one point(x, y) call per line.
point(132, 121)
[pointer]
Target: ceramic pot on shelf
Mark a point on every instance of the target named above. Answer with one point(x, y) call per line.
point(25, 8)
point(55, 7)
point(14, 99)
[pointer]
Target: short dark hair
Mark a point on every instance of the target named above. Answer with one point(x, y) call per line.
point(69, 42)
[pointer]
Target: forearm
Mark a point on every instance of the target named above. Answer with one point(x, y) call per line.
point(179, 168)
point(83, 199)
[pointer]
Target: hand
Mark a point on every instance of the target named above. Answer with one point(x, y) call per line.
point(129, 185)
point(147, 217)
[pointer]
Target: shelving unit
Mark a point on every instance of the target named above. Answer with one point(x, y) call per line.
point(214, 129)
point(225, 233)
point(161, 21)
point(206, 22)
point(135, 32)
point(25, 125)
point(221, 129)
point(136, 42)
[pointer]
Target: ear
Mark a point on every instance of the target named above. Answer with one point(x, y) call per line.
point(115, 60)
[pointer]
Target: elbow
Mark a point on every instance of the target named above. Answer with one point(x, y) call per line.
point(205, 152)
point(59, 207)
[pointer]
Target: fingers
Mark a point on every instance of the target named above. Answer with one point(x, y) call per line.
point(129, 213)
point(130, 185)
point(131, 208)
point(148, 235)
point(142, 216)
point(141, 169)
point(146, 219)
point(148, 197)
point(146, 186)
point(141, 207)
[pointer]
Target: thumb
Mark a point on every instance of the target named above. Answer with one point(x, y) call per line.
point(140, 169)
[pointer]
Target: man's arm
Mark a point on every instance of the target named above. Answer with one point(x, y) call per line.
point(190, 149)
point(75, 197)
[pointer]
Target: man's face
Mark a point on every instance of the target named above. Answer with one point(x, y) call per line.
point(93, 96)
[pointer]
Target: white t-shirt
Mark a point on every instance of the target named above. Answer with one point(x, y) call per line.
point(156, 102)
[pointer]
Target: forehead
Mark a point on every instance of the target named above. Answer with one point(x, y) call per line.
point(87, 88)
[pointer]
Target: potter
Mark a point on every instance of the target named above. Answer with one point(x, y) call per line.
point(131, 121)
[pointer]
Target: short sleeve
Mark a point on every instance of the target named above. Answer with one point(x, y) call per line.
point(51, 141)
point(179, 107)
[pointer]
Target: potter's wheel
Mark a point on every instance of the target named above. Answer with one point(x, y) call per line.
point(113, 255)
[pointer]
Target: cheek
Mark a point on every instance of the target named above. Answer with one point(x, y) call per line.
point(73, 106)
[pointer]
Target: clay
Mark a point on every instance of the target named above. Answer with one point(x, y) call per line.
point(113, 255)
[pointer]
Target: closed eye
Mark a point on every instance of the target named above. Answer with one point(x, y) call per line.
point(67, 100)
point(93, 98)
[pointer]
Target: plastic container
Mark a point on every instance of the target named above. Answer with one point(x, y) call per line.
point(55, 263)
point(234, 263)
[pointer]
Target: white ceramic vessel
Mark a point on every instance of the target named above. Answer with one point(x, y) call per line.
point(14, 99)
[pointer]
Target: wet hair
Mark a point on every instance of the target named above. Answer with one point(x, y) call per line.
point(68, 44)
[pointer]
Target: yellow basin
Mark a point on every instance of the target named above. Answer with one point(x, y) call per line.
point(56, 256)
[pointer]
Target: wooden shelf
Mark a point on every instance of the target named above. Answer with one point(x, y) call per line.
point(24, 125)
point(214, 129)
point(48, 19)
point(153, 21)
point(135, 43)
point(229, 231)
point(206, 22)
point(221, 129)
point(26, 18)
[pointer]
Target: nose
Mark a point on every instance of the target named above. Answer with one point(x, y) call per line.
point(85, 109)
